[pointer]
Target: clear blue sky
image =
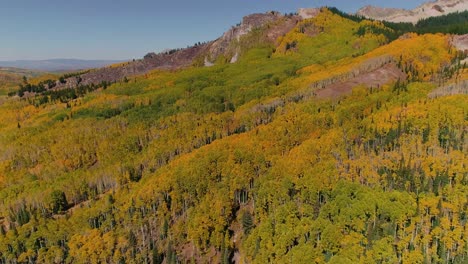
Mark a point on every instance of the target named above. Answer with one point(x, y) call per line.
point(125, 29)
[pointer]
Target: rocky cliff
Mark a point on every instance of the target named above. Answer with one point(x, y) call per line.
point(429, 9)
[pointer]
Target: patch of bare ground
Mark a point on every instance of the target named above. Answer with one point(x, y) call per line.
point(375, 78)
point(190, 252)
point(280, 29)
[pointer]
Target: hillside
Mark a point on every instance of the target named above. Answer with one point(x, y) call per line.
point(264, 30)
point(315, 137)
point(10, 78)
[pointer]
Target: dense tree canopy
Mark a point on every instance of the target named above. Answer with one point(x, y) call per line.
point(245, 161)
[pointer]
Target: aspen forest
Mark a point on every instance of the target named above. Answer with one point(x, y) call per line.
point(343, 140)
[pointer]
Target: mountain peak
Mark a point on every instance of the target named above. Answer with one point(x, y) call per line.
point(375, 11)
point(306, 13)
point(429, 9)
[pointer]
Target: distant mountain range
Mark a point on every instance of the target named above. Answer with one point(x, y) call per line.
point(58, 64)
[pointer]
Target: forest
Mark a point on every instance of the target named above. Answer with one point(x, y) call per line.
point(285, 156)
point(452, 23)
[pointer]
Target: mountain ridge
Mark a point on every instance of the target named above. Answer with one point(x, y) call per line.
point(228, 48)
point(425, 10)
point(60, 64)
point(206, 53)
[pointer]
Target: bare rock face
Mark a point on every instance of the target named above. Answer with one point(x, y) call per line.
point(460, 42)
point(235, 58)
point(306, 13)
point(429, 9)
point(438, 8)
point(273, 32)
point(376, 12)
point(250, 22)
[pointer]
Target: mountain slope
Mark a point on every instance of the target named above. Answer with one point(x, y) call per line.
point(325, 144)
point(426, 10)
point(229, 46)
point(254, 31)
point(10, 78)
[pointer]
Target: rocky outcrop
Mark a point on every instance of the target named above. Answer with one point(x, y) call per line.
point(222, 44)
point(306, 13)
point(380, 13)
point(429, 9)
point(460, 42)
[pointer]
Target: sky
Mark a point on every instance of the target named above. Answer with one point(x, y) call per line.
point(127, 29)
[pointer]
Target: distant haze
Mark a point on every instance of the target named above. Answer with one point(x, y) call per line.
point(58, 64)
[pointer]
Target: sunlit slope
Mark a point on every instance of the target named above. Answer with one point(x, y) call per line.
point(10, 78)
point(247, 161)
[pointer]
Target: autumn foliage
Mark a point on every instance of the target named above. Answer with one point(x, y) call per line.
point(207, 164)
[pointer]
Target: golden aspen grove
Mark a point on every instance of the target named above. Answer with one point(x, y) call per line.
point(338, 140)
